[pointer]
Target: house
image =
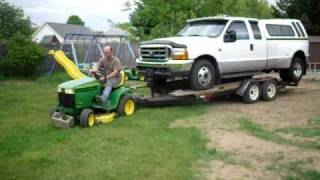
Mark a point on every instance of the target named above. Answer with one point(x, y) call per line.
point(48, 30)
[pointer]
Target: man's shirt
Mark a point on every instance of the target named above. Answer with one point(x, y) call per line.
point(108, 66)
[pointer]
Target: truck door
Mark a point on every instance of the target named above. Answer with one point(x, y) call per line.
point(235, 55)
point(258, 47)
point(243, 55)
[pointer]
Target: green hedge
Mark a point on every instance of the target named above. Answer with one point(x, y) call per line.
point(22, 58)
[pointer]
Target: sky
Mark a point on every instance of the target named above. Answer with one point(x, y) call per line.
point(95, 13)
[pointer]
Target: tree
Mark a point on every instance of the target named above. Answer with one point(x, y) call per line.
point(308, 11)
point(74, 19)
point(159, 18)
point(13, 20)
point(23, 57)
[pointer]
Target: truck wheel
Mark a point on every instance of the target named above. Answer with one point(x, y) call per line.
point(269, 90)
point(202, 75)
point(252, 93)
point(126, 106)
point(295, 72)
point(87, 118)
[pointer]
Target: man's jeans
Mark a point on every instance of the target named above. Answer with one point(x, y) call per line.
point(111, 83)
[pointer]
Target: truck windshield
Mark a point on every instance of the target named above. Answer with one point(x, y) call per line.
point(211, 28)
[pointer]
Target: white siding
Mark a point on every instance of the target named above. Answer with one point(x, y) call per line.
point(44, 31)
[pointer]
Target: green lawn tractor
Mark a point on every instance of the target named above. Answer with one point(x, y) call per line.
point(76, 101)
point(132, 74)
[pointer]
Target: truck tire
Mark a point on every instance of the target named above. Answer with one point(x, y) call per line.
point(295, 72)
point(87, 118)
point(252, 93)
point(269, 90)
point(202, 75)
point(126, 106)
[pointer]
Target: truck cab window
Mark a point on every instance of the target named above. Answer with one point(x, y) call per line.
point(255, 29)
point(240, 28)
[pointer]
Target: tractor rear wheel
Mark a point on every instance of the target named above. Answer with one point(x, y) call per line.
point(126, 106)
point(87, 118)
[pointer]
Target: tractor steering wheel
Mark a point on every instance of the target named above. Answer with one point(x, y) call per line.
point(98, 75)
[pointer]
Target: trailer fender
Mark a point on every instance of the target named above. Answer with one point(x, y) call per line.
point(243, 87)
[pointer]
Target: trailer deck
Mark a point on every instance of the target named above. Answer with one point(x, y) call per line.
point(251, 90)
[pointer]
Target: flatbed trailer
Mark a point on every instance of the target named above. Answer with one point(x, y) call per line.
point(251, 90)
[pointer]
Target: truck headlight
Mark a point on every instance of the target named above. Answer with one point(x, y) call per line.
point(66, 91)
point(180, 54)
point(69, 91)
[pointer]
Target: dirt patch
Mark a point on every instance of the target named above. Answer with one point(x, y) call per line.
point(292, 108)
point(220, 170)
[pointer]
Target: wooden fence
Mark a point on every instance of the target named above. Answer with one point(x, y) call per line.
point(314, 51)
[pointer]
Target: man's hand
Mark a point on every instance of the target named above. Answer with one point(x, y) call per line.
point(103, 79)
point(92, 72)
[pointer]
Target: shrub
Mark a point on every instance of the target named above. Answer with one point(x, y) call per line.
point(22, 58)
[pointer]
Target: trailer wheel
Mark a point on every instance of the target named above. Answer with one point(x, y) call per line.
point(269, 90)
point(295, 72)
point(202, 75)
point(87, 118)
point(252, 93)
point(126, 106)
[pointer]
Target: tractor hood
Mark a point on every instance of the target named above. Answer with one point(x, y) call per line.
point(84, 83)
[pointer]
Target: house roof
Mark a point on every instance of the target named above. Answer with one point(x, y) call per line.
point(116, 32)
point(63, 29)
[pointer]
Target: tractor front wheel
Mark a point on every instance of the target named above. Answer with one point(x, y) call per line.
point(87, 118)
point(127, 106)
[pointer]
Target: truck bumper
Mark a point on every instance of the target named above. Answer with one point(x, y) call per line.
point(60, 120)
point(169, 68)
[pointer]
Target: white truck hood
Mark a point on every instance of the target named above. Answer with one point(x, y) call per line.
point(195, 44)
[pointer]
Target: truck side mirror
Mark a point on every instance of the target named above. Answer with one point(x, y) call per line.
point(230, 36)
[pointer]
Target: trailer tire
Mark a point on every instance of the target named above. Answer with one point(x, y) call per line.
point(202, 75)
point(87, 118)
point(269, 90)
point(295, 72)
point(252, 93)
point(126, 106)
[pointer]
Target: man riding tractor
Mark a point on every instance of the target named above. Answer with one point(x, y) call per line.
point(110, 67)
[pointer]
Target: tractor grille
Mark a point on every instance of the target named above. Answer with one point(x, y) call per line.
point(66, 100)
point(155, 53)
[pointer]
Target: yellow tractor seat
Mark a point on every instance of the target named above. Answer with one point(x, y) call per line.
point(122, 79)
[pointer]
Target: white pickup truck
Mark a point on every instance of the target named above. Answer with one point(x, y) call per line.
point(208, 50)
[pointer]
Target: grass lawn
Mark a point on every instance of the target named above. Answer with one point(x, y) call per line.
point(142, 146)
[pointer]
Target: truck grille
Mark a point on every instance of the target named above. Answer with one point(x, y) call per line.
point(155, 53)
point(66, 100)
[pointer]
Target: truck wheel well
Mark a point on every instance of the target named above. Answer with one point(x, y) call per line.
point(214, 63)
point(301, 55)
